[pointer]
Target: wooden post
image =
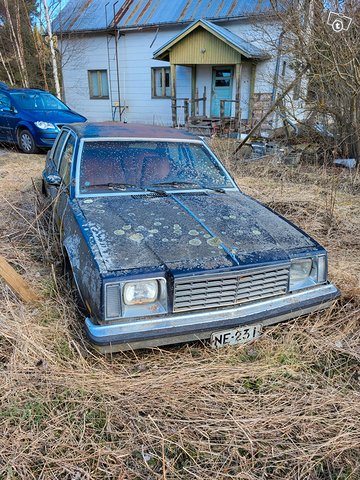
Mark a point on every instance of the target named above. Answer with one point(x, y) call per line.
point(204, 102)
point(186, 112)
point(222, 114)
point(252, 92)
point(173, 94)
point(237, 94)
point(197, 102)
point(193, 90)
point(17, 283)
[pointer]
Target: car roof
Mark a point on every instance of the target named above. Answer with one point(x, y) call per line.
point(128, 130)
point(23, 90)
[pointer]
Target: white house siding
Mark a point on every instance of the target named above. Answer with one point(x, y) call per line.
point(135, 51)
point(80, 55)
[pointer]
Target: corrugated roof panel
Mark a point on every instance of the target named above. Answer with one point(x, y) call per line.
point(80, 15)
point(85, 15)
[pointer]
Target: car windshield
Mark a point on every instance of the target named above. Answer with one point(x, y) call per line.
point(37, 101)
point(108, 166)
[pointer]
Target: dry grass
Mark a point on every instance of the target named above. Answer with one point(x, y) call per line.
point(285, 407)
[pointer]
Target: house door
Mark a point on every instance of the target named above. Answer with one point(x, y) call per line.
point(222, 84)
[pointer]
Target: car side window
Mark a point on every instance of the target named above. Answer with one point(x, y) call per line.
point(59, 147)
point(65, 160)
point(4, 101)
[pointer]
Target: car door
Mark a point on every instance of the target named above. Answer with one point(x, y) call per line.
point(52, 162)
point(64, 169)
point(8, 119)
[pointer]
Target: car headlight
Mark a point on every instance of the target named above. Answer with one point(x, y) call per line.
point(139, 293)
point(305, 272)
point(139, 298)
point(45, 125)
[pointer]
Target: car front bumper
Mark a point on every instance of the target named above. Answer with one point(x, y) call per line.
point(190, 326)
point(45, 140)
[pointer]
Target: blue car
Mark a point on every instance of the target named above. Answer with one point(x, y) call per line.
point(32, 118)
point(164, 248)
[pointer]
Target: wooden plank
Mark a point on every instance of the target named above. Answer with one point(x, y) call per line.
point(237, 94)
point(16, 282)
point(252, 92)
point(173, 93)
point(193, 90)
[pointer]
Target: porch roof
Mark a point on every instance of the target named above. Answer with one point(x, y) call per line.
point(240, 45)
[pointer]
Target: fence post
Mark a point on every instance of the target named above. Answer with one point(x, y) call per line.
point(204, 102)
point(186, 112)
point(222, 113)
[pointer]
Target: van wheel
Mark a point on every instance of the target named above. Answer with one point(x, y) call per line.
point(26, 142)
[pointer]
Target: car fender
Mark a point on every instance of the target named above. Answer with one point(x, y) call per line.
point(25, 124)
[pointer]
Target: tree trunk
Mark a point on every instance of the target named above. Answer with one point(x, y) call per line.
point(19, 53)
point(52, 50)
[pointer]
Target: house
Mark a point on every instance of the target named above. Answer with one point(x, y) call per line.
point(165, 62)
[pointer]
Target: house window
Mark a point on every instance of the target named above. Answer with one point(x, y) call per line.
point(98, 84)
point(160, 82)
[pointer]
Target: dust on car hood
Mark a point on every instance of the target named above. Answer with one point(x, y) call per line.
point(189, 230)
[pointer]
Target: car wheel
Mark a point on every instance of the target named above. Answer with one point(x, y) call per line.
point(26, 142)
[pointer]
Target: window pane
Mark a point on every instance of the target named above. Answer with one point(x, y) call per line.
point(223, 73)
point(59, 146)
point(65, 162)
point(167, 82)
point(104, 84)
point(222, 83)
point(94, 84)
point(158, 82)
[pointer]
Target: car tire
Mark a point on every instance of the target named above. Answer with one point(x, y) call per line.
point(26, 142)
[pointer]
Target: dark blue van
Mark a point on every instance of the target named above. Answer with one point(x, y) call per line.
point(32, 118)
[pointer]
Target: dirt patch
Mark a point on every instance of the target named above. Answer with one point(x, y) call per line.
point(284, 407)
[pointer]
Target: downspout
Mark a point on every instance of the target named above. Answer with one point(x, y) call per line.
point(109, 64)
point(117, 35)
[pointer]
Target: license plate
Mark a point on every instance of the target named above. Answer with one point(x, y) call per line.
point(235, 336)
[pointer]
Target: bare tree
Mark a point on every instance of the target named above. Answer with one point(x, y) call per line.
point(330, 90)
point(52, 49)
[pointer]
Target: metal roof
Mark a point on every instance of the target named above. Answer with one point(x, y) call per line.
point(244, 47)
point(88, 15)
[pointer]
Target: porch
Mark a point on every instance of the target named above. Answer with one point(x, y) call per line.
point(221, 80)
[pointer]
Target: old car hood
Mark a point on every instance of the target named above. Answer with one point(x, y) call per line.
point(199, 230)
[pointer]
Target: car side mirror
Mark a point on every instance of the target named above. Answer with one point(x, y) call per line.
point(53, 179)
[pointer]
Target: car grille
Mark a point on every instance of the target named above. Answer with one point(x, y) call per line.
point(211, 291)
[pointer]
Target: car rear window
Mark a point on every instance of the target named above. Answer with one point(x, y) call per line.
point(136, 165)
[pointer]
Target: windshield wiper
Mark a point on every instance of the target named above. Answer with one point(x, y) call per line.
point(114, 185)
point(192, 184)
point(175, 184)
point(214, 189)
point(124, 186)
